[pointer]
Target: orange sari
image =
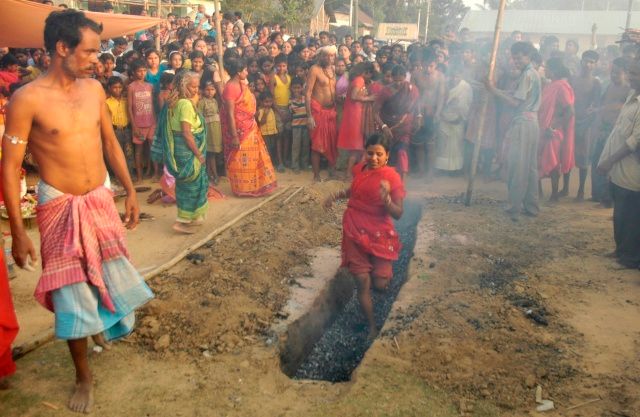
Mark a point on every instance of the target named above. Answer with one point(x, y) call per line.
point(249, 166)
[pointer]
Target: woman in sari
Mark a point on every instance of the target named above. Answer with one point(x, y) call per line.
point(351, 135)
point(370, 242)
point(249, 166)
point(557, 126)
point(396, 106)
point(183, 144)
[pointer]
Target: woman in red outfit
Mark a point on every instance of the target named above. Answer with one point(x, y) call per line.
point(350, 134)
point(370, 242)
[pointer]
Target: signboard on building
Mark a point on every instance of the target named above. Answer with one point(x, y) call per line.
point(398, 31)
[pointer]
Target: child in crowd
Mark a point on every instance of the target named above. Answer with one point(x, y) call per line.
point(266, 69)
point(98, 74)
point(260, 86)
point(166, 88)
point(267, 121)
point(300, 134)
point(117, 104)
point(141, 115)
point(9, 71)
point(208, 107)
point(301, 71)
point(109, 63)
point(280, 88)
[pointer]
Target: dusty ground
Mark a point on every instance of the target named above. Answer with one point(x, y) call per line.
point(458, 342)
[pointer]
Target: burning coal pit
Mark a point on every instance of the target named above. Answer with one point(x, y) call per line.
point(329, 341)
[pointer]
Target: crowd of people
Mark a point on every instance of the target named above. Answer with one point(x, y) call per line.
point(368, 112)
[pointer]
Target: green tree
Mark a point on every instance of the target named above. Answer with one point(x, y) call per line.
point(296, 12)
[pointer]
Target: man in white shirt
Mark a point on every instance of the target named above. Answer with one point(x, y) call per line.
point(621, 160)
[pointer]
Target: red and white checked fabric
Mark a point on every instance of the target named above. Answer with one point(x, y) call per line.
point(78, 233)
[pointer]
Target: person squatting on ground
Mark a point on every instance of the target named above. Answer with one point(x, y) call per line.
point(370, 243)
point(87, 279)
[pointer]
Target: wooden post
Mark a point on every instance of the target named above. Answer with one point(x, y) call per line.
point(219, 42)
point(356, 20)
point(158, 7)
point(426, 21)
point(629, 10)
point(485, 103)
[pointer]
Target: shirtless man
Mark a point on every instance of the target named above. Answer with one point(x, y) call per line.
point(608, 111)
point(588, 91)
point(432, 85)
point(321, 108)
point(63, 118)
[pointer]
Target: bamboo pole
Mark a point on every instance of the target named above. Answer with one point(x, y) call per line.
point(158, 15)
point(219, 42)
point(629, 10)
point(426, 21)
point(485, 103)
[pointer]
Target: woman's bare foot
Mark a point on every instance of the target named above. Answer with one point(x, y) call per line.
point(373, 333)
point(99, 340)
point(183, 228)
point(316, 178)
point(81, 400)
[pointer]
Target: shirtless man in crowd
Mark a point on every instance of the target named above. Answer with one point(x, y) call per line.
point(321, 108)
point(87, 279)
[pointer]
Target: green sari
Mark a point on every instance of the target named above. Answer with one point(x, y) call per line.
point(192, 182)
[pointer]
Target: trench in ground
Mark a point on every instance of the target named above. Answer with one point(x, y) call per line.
point(329, 341)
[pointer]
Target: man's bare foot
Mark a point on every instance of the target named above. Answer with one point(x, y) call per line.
point(138, 180)
point(554, 198)
point(156, 178)
point(183, 228)
point(81, 400)
point(99, 340)
point(316, 178)
point(580, 197)
point(4, 384)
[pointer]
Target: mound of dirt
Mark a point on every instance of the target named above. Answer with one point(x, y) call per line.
point(234, 287)
point(486, 332)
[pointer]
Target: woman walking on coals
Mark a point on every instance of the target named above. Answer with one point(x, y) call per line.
point(370, 242)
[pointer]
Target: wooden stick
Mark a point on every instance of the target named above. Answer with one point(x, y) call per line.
point(207, 238)
point(485, 103)
point(594, 400)
point(50, 405)
point(291, 196)
point(219, 43)
point(396, 342)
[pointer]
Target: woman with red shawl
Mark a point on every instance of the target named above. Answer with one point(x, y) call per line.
point(370, 242)
point(557, 126)
point(351, 133)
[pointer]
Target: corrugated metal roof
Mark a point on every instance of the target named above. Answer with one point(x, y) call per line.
point(561, 22)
